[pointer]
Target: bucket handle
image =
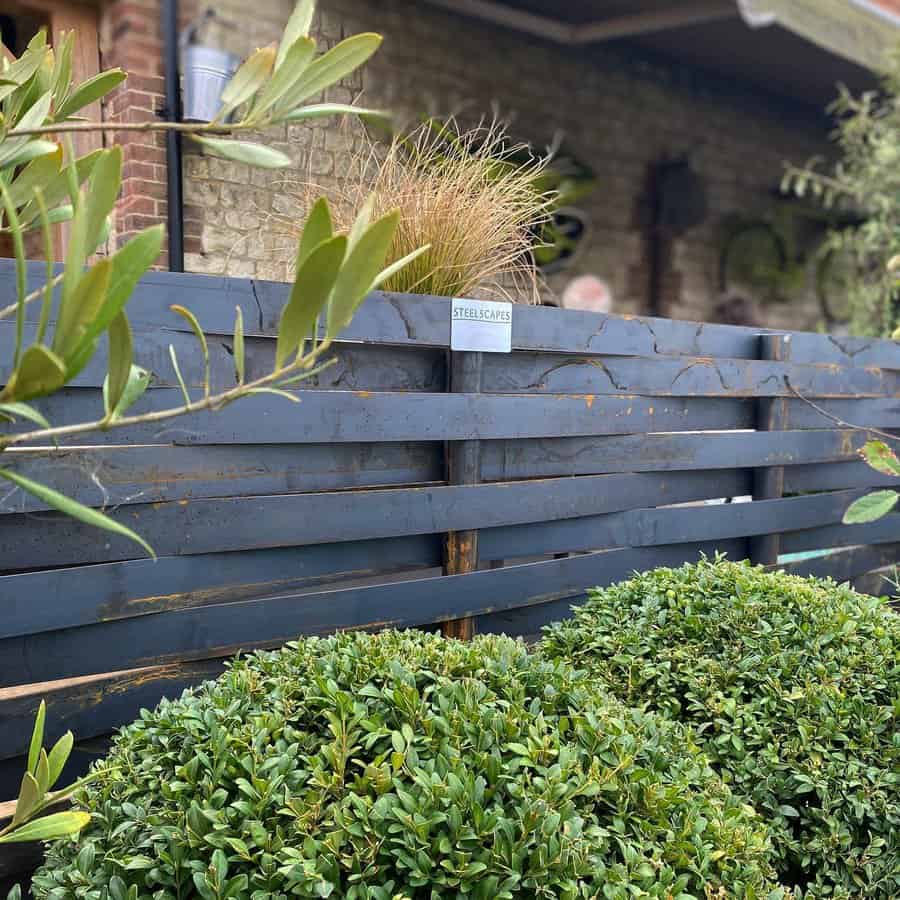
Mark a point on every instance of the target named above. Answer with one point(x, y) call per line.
point(208, 15)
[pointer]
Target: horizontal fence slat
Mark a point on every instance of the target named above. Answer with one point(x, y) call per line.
point(845, 565)
point(834, 476)
point(884, 531)
point(64, 598)
point(665, 452)
point(425, 321)
point(862, 413)
point(114, 476)
point(653, 527)
point(362, 416)
point(164, 638)
point(94, 707)
point(98, 706)
point(352, 367)
point(660, 376)
point(252, 523)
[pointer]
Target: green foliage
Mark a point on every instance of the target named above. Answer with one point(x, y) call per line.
point(878, 504)
point(865, 182)
point(403, 765)
point(870, 508)
point(35, 795)
point(794, 686)
point(40, 183)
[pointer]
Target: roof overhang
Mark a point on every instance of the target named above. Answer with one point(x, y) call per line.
point(864, 31)
point(808, 47)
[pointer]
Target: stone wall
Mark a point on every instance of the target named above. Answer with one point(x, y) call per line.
point(618, 113)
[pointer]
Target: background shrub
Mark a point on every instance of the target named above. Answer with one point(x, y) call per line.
point(403, 765)
point(794, 686)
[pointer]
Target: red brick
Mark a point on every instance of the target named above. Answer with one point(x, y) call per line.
point(150, 84)
point(133, 205)
point(139, 170)
point(143, 152)
point(137, 222)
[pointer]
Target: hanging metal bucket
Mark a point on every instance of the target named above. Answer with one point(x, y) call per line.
point(206, 72)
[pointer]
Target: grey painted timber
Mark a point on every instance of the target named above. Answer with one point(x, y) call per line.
point(653, 527)
point(33, 601)
point(225, 629)
point(668, 452)
point(360, 416)
point(120, 476)
point(599, 439)
point(187, 527)
point(661, 376)
point(397, 319)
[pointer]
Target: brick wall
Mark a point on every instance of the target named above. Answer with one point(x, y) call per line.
point(131, 37)
point(618, 113)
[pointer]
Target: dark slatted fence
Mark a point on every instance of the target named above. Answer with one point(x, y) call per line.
point(584, 454)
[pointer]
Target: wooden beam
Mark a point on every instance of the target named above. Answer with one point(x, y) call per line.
point(768, 482)
point(463, 467)
point(623, 26)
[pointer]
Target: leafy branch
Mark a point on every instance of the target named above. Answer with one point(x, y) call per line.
point(876, 454)
point(42, 773)
point(42, 183)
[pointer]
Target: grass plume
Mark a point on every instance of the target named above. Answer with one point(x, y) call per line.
point(458, 191)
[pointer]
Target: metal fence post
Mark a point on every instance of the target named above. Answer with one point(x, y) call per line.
point(771, 415)
point(463, 467)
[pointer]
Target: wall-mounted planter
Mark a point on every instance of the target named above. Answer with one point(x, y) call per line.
point(206, 72)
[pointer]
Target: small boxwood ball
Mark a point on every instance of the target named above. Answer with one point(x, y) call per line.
point(403, 765)
point(792, 684)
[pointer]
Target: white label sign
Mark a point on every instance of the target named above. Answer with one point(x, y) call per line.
point(481, 325)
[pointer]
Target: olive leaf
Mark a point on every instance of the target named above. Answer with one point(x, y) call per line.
point(297, 27)
point(121, 353)
point(289, 72)
point(13, 411)
point(320, 110)
point(37, 737)
point(28, 799)
point(48, 828)
point(248, 79)
point(238, 344)
point(191, 319)
point(127, 266)
point(331, 67)
point(59, 756)
point(39, 373)
point(244, 152)
point(364, 261)
point(317, 228)
point(79, 313)
point(137, 383)
point(312, 288)
point(62, 66)
point(86, 93)
point(73, 508)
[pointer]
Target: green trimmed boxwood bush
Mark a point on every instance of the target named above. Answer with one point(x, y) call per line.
point(792, 684)
point(403, 765)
